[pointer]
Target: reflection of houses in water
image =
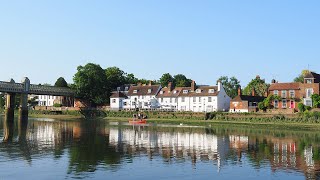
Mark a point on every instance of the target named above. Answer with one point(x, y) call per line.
point(179, 145)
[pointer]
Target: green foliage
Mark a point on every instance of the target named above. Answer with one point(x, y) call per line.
point(301, 107)
point(231, 85)
point(300, 78)
point(61, 82)
point(315, 100)
point(90, 83)
point(33, 101)
point(261, 106)
point(57, 105)
point(258, 85)
point(182, 81)
point(165, 79)
point(267, 102)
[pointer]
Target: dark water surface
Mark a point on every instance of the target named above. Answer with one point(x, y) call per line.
point(48, 149)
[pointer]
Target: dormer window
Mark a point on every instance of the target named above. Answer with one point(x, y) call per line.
point(149, 91)
point(198, 91)
point(175, 92)
point(118, 88)
point(211, 90)
point(185, 91)
point(309, 81)
point(135, 91)
point(126, 88)
point(161, 92)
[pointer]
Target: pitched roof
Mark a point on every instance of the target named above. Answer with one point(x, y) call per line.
point(117, 95)
point(174, 93)
point(143, 90)
point(284, 86)
point(205, 91)
point(313, 75)
point(248, 98)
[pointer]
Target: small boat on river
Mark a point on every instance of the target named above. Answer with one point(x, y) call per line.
point(137, 121)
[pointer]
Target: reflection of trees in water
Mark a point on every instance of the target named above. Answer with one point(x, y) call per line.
point(92, 150)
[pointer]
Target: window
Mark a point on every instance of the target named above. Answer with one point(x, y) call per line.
point(118, 88)
point(182, 99)
point(283, 93)
point(126, 88)
point(194, 99)
point(146, 104)
point(125, 103)
point(170, 100)
point(308, 102)
point(284, 103)
point(292, 93)
point(276, 103)
point(142, 97)
point(198, 91)
point(199, 99)
point(161, 92)
point(211, 90)
point(149, 91)
point(175, 100)
point(309, 92)
point(185, 91)
point(135, 91)
point(161, 100)
point(133, 103)
point(309, 81)
point(209, 99)
point(174, 92)
point(275, 92)
point(113, 100)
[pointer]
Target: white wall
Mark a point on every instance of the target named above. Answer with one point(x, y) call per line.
point(46, 100)
point(116, 103)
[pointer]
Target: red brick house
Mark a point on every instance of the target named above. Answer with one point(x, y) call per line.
point(245, 103)
point(293, 93)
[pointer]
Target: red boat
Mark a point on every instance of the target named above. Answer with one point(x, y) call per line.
point(141, 121)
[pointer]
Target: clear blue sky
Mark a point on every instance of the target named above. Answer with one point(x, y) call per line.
point(202, 39)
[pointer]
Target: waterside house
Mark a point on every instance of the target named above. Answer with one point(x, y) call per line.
point(245, 103)
point(295, 92)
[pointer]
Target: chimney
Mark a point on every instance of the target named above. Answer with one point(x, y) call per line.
point(139, 84)
point(193, 86)
point(219, 85)
point(239, 91)
point(170, 86)
point(257, 77)
point(253, 92)
point(273, 81)
point(150, 83)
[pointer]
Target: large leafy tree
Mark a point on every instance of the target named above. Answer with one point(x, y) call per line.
point(181, 80)
point(300, 78)
point(131, 79)
point(61, 82)
point(231, 85)
point(90, 83)
point(165, 79)
point(258, 85)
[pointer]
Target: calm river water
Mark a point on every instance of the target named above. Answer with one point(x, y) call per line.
point(48, 149)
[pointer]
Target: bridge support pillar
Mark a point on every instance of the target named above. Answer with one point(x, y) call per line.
point(10, 102)
point(23, 110)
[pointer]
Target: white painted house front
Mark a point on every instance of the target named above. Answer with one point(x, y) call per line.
point(47, 100)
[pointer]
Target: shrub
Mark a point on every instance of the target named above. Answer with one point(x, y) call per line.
point(301, 107)
point(308, 108)
point(57, 105)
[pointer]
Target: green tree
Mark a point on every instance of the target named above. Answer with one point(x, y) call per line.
point(61, 82)
point(90, 83)
point(165, 79)
point(300, 78)
point(181, 80)
point(231, 85)
point(315, 100)
point(258, 85)
point(130, 79)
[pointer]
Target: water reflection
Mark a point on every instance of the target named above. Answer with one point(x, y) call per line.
point(97, 146)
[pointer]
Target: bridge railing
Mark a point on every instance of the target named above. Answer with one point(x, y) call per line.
point(50, 90)
point(11, 87)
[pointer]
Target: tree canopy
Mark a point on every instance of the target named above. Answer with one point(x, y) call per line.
point(165, 79)
point(231, 85)
point(181, 80)
point(300, 78)
point(90, 83)
point(2, 101)
point(61, 82)
point(258, 85)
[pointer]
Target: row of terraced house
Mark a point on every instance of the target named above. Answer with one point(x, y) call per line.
point(212, 98)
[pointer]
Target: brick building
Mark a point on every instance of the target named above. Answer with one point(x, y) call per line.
point(245, 103)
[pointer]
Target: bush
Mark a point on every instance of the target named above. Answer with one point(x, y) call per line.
point(301, 107)
point(308, 108)
point(57, 105)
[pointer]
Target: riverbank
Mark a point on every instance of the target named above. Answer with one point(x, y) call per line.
point(58, 117)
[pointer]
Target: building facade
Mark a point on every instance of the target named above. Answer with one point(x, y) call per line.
point(245, 103)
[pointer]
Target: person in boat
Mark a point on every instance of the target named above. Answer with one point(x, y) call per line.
point(139, 116)
point(134, 117)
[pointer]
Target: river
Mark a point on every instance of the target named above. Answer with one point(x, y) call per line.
point(105, 149)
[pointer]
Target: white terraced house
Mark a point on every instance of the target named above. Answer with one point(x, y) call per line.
point(203, 98)
point(196, 99)
point(139, 96)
